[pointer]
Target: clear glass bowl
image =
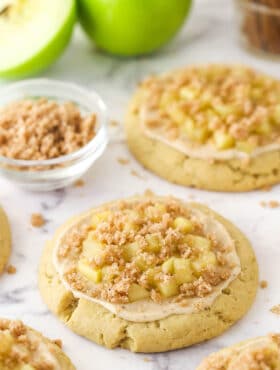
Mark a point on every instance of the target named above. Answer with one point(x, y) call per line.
point(45, 175)
point(259, 26)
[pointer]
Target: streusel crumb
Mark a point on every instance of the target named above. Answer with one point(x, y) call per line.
point(43, 129)
point(11, 270)
point(276, 309)
point(263, 284)
point(37, 220)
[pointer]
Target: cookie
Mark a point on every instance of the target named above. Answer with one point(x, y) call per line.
point(148, 274)
point(258, 354)
point(22, 348)
point(5, 240)
point(211, 127)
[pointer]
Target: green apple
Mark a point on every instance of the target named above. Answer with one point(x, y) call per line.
point(132, 27)
point(33, 33)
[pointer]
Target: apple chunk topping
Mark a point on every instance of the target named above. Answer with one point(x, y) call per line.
point(222, 107)
point(144, 248)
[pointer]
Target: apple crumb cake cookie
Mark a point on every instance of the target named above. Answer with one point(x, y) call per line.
point(22, 348)
point(261, 353)
point(5, 240)
point(213, 127)
point(148, 274)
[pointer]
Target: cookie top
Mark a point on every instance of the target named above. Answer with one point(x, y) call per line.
point(22, 348)
point(215, 111)
point(146, 258)
point(258, 354)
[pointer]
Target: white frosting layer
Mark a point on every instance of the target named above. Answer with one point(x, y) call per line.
point(147, 310)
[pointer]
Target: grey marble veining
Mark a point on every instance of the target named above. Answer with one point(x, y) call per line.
point(209, 36)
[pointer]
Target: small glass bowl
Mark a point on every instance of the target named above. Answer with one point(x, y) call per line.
point(259, 27)
point(50, 174)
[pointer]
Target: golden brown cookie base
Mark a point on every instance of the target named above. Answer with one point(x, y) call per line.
point(101, 326)
point(174, 166)
point(5, 240)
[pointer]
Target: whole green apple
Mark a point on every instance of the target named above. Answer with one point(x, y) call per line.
point(33, 33)
point(132, 27)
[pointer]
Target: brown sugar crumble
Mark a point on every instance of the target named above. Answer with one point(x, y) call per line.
point(123, 161)
point(11, 270)
point(144, 248)
point(37, 220)
point(42, 129)
point(276, 309)
point(263, 284)
point(79, 183)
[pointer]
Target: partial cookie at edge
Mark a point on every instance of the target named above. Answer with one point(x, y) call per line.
point(5, 240)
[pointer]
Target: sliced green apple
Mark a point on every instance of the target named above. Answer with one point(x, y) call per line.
point(33, 33)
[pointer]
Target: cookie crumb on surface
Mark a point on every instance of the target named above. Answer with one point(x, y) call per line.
point(79, 183)
point(270, 204)
point(58, 342)
point(37, 220)
point(263, 284)
point(149, 193)
point(114, 123)
point(123, 161)
point(11, 269)
point(136, 174)
point(276, 309)
point(147, 359)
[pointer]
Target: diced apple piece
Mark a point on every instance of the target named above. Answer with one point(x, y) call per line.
point(27, 367)
point(276, 114)
point(223, 140)
point(151, 275)
point(130, 251)
point(223, 110)
point(175, 113)
point(94, 275)
point(198, 242)
point(168, 266)
point(97, 218)
point(108, 274)
point(6, 342)
point(264, 128)
point(183, 224)
point(154, 244)
point(137, 293)
point(141, 263)
point(183, 271)
point(92, 249)
point(188, 93)
point(204, 260)
point(245, 146)
point(195, 132)
point(168, 288)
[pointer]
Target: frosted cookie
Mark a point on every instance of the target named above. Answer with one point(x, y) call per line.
point(261, 353)
point(149, 274)
point(213, 127)
point(5, 240)
point(22, 348)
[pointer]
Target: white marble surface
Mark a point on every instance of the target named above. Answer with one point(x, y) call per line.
point(209, 36)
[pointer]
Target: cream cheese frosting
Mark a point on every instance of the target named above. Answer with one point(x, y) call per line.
point(147, 310)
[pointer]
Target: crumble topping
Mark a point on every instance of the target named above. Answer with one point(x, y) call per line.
point(11, 270)
point(276, 309)
point(42, 129)
point(263, 284)
point(79, 183)
point(144, 249)
point(216, 106)
point(23, 349)
point(258, 354)
point(270, 204)
point(37, 220)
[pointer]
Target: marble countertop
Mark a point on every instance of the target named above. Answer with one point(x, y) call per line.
point(209, 36)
